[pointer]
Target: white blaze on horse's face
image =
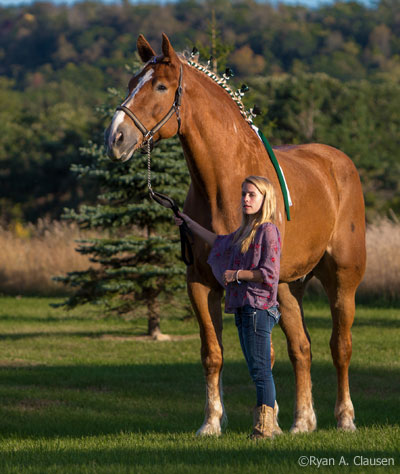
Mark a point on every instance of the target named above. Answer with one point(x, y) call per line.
point(141, 83)
point(252, 199)
point(119, 116)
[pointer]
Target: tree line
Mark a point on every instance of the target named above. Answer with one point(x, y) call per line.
point(327, 75)
point(346, 40)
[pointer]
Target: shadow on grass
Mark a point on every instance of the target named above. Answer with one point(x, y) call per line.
point(87, 400)
point(321, 322)
point(203, 457)
point(371, 299)
point(313, 322)
point(88, 334)
point(47, 319)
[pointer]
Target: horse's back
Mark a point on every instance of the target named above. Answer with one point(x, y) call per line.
point(294, 157)
point(325, 189)
point(321, 168)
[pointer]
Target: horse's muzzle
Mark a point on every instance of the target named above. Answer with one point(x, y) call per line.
point(120, 143)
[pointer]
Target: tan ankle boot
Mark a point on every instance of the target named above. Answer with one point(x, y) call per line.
point(263, 422)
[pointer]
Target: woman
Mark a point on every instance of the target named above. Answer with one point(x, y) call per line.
point(247, 263)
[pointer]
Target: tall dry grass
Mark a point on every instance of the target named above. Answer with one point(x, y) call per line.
point(382, 275)
point(30, 256)
point(381, 280)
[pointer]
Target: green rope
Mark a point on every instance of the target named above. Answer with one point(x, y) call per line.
point(278, 171)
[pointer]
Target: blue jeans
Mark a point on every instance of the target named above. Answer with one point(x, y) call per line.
point(254, 328)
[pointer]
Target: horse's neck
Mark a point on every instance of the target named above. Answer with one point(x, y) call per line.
point(218, 143)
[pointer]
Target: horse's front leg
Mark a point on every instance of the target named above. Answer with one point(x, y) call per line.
point(206, 302)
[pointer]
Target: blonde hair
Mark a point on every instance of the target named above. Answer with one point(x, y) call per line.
point(250, 223)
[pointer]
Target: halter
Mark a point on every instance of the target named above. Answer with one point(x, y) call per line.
point(148, 134)
point(165, 201)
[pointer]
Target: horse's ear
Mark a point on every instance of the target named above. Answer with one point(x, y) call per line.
point(145, 51)
point(167, 48)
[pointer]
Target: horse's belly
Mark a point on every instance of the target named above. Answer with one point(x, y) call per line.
point(305, 241)
point(297, 264)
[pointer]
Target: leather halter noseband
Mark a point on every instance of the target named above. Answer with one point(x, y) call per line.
point(165, 201)
point(148, 134)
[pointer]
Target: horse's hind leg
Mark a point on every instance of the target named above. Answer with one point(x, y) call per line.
point(299, 348)
point(340, 282)
point(207, 305)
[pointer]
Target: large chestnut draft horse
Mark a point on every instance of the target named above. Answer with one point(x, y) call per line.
point(325, 237)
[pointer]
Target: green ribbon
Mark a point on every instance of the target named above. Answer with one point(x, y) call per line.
point(278, 171)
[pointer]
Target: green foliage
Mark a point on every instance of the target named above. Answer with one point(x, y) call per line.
point(358, 117)
point(218, 50)
point(139, 260)
point(347, 40)
point(57, 61)
point(41, 132)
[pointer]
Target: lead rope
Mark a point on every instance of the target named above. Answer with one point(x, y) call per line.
point(149, 166)
point(184, 231)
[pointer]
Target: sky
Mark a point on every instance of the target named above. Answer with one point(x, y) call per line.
point(308, 3)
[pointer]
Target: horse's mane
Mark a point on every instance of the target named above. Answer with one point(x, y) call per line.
point(221, 81)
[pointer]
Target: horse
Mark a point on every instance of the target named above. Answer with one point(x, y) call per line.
point(325, 236)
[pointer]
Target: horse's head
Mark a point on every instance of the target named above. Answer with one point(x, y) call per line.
point(151, 108)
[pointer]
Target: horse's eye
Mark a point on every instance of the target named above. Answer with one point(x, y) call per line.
point(161, 87)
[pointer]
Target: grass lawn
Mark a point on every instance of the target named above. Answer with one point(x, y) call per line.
point(84, 394)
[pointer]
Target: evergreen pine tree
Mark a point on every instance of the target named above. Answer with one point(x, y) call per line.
point(138, 262)
point(217, 50)
point(138, 259)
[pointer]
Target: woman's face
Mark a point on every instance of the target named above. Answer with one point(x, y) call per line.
point(252, 199)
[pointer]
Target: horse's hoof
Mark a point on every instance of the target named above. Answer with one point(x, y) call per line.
point(304, 425)
point(276, 430)
point(209, 429)
point(346, 424)
point(299, 428)
point(344, 414)
point(161, 337)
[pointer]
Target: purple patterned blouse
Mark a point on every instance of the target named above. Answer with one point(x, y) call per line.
point(263, 254)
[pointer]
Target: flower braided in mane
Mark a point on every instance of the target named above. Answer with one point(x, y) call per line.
point(236, 96)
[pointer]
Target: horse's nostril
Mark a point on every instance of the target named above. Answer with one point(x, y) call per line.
point(119, 138)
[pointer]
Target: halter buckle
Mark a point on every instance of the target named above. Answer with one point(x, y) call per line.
point(148, 137)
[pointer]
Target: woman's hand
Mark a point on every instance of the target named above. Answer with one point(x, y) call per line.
point(180, 220)
point(196, 228)
point(229, 277)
